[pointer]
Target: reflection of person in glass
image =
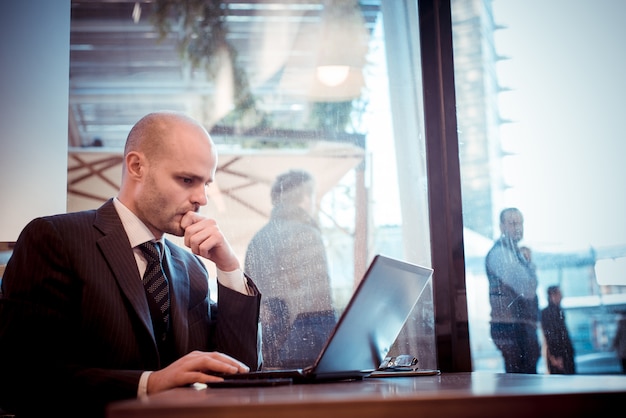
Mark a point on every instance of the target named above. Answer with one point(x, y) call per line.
point(289, 257)
point(513, 297)
point(559, 348)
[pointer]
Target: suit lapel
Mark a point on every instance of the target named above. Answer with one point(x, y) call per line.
point(116, 250)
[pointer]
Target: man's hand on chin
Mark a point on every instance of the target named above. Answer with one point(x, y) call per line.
point(204, 237)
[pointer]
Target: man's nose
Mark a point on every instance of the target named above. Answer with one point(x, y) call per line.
point(200, 196)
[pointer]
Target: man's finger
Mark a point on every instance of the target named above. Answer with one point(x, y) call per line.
point(190, 218)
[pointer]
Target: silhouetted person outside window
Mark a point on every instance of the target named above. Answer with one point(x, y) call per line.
point(513, 297)
point(559, 347)
point(289, 257)
point(619, 342)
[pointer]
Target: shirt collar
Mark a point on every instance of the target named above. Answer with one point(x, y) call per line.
point(136, 230)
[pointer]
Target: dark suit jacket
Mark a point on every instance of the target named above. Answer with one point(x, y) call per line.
point(75, 322)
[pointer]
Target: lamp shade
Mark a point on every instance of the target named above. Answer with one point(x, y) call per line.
point(342, 52)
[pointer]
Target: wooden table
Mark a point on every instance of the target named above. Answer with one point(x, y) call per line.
point(477, 394)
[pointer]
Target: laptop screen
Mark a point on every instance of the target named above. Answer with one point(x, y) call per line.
point(374, 317)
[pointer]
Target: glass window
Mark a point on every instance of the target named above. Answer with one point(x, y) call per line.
point(540, 98)
point(314, 117)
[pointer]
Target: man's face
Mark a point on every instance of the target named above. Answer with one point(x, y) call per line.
point(176, 182)
point(512, 226)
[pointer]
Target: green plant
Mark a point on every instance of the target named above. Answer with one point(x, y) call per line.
point(202, 30)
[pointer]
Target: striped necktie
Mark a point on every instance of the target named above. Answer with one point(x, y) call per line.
point(156, 285)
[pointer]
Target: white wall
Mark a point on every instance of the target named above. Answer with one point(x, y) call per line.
point(34, 85)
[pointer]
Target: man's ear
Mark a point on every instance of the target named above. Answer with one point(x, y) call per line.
point(134, 164)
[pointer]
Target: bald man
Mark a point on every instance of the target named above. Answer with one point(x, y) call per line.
point(75, 318)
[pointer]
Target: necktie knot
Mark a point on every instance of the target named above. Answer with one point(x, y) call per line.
point(152, 251)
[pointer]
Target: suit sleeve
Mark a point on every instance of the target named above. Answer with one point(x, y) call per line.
point(39, 330)
point(237, 331)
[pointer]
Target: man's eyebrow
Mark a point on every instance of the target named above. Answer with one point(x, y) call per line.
point(194, 177)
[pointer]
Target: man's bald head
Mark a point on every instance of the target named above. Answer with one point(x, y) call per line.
point(153, 134)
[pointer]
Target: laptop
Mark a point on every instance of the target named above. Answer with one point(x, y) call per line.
point(365, 331)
